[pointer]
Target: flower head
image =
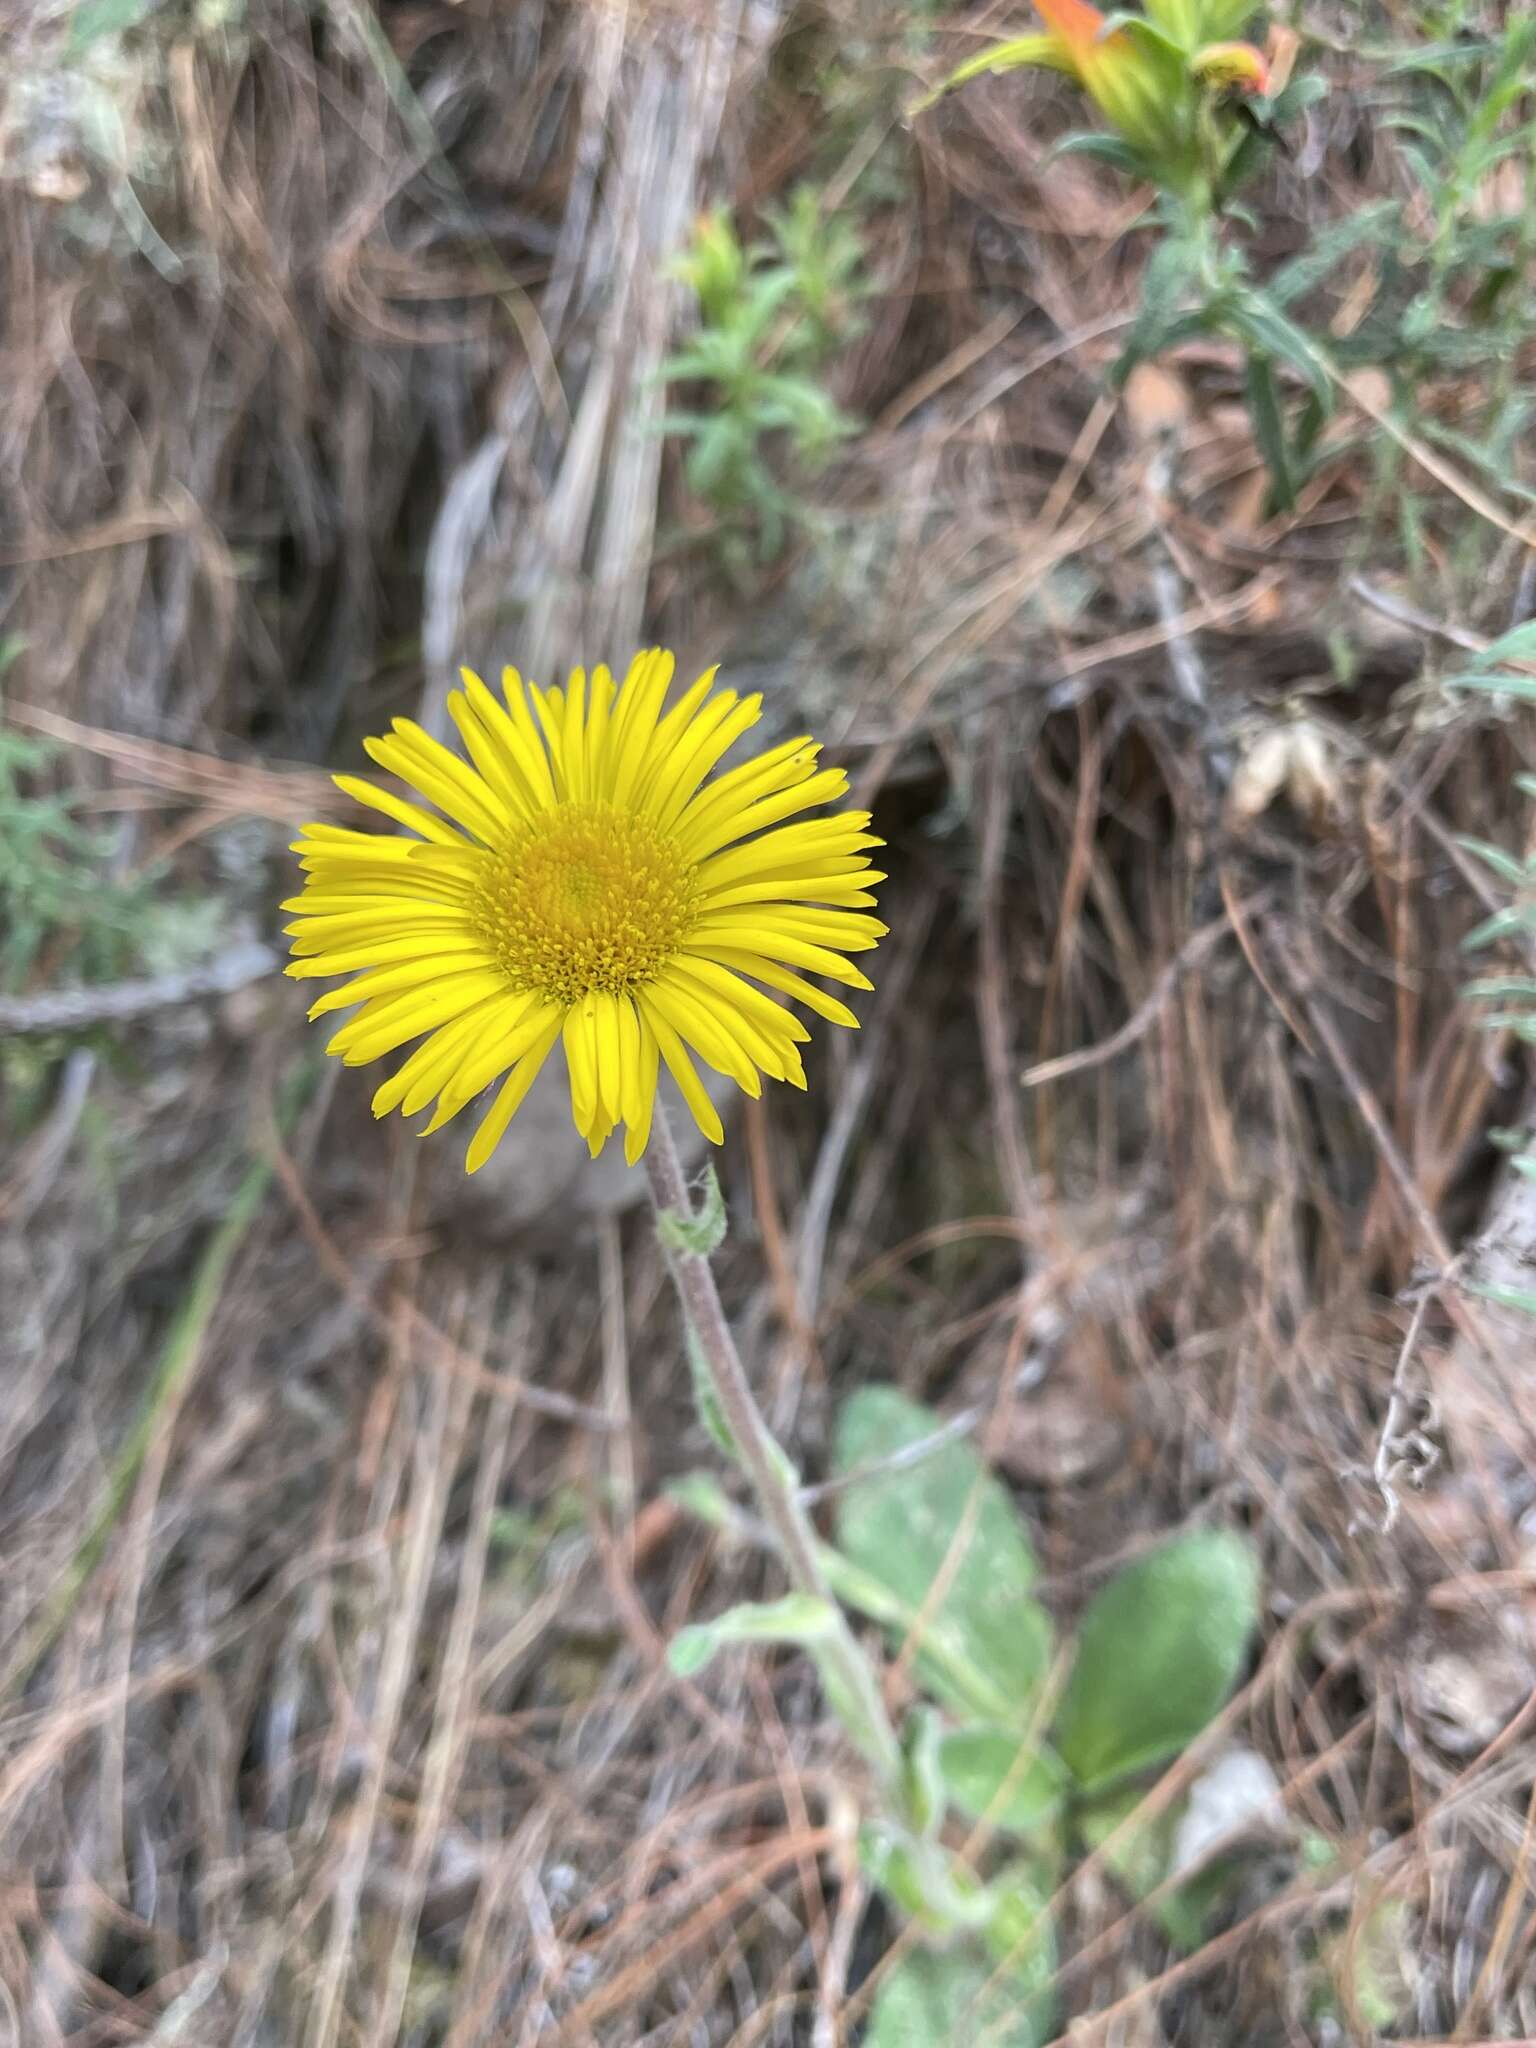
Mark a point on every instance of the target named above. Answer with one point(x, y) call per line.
point(1145, 73)
point(580, 878)
point(1238, 67)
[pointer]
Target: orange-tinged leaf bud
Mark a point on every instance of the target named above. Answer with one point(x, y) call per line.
point(1132, 83)
point(1237, 67)
point(1079, 25)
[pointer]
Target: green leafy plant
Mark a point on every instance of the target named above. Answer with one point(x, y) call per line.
point(1446, 264)
point(65, 913)
point(771, 315)
point(931, 1547)
point(1441, 274)
point(60, 905)
point(51, 866)
point(1185, 102)
point(1191, 111)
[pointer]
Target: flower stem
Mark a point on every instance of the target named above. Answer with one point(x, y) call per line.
point(852, 1684)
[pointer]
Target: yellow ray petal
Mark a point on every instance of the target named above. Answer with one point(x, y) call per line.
point(841, 836)
point(635, 716)
point(410, 815)
point(681, 1068)
point(772, 944)
point(849, 931)
point(573, 738)
point(581, 1059)
point(513, 1089)
point(608, 1049)
point(705, 1033)
point(668, 735)
point(498, 1043)
point(782, 767)
point(493, 750)
point(766, 1042)
point(416, 1081)
point(725, 989)
point(344, 958)
point(825, 787)
point(533, 755)
point(637, 1135)
point(698, 753)
point(844, 891)
point(428, 767)
point(384, 981)
point(373, 1032)
point(631, 1066)
point(790, 984)
point(599, 712)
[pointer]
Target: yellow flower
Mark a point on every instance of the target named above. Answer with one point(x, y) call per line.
point(1138, 70)
point(585, 881)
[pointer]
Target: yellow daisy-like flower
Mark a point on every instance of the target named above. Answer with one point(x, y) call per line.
point(585, 882)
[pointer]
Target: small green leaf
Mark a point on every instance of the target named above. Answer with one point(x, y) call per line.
point(1155, 37)
point(957, 1998)
point(1221, 20)
point(977, 1764)
point(991, 1640)
point(93, 19)
point(1514, 646)
point(1519, 645)
point(1301, 93)
point(896, 1865)
point(1522, 1298)
point(799, 1618)
point(1371, 1971)
point(944, 1896)
point(1169, 283)
point(1137, 1850)
point(1303, 274)
point(1105, 149)
point(1019, 1936)
point(1502, 684)
point(924, 1881)
point(1504, 865)
point(1438, 57)
point(1269, 429)
point(1158, 1651)
point(701, 1495)
point(1256, 320)
point(1501, 988)
point(1499, 926)
point(1140, 1852)
point(706, 1401)
point(701, 1232)
point(922, 1772)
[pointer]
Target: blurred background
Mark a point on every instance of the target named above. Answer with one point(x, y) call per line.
point(1172, 620)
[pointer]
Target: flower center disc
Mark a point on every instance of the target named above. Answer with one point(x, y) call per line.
point(587, 898)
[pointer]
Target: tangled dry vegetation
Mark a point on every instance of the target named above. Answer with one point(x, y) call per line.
point(338, 1558)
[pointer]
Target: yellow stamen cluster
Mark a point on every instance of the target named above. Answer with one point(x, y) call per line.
point(588, 897)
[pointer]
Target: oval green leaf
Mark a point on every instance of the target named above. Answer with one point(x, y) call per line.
point(989, 1778)
point(1158, 1651)
point(987, 1644)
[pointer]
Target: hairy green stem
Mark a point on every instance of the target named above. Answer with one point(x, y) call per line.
point(846, 1671)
